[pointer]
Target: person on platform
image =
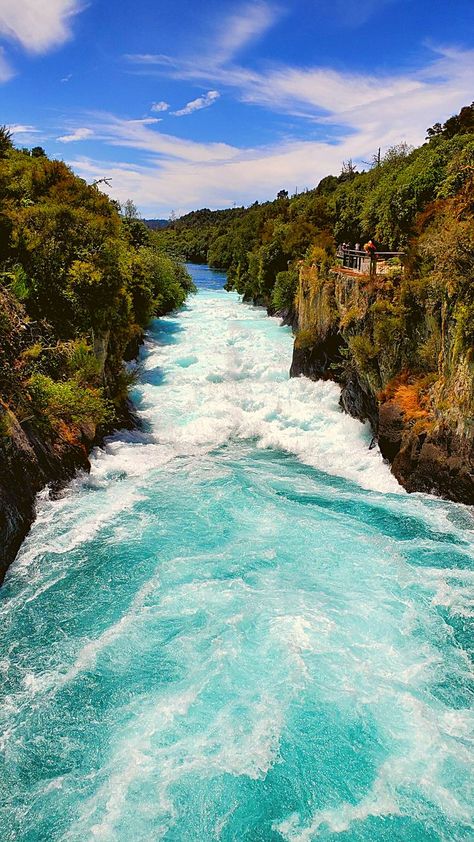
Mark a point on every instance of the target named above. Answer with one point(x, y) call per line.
point(371, 249)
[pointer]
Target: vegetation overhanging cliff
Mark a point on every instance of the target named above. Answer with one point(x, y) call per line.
point(79, 282)
point(401, 345)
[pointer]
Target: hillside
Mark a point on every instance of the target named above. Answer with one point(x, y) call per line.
point(78, 285)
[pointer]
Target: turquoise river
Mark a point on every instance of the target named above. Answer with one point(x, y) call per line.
point(238, 627)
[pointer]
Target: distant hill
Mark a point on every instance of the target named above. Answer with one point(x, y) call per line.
point(156, 223)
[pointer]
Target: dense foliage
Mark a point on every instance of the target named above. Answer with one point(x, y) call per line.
point(259, 246)
point(79, 282)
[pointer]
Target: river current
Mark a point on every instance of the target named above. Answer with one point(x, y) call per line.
point(238, 627)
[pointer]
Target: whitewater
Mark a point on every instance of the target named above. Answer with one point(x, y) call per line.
point(238, 627)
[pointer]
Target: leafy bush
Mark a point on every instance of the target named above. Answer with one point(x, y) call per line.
point(363, 351)
point(55, 401)
point(284, 291)
point(305, 338)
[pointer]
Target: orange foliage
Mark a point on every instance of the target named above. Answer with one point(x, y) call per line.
point(68, 433)
point(411, 401)
point(410, 394)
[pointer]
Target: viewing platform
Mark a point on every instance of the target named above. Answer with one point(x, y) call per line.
point(358, 262)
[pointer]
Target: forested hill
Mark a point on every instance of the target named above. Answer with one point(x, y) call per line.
point(79, 282)
point(386, 202)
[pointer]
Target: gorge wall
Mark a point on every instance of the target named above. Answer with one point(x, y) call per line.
point(29, 461)
point(397, 350)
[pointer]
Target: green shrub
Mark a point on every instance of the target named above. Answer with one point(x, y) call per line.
point(363, 351)
point(284, 291)
point(81, 363)
point(67, 401)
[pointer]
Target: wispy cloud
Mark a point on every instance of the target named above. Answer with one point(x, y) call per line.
point(163, 184)
point(141, 135)
point(228, 37)
point(77, 134)
point(382, 103)
point(18, 128)
point(38, 26)
point(354, 14)
point(242, 28)
point(197, 104)
point(160, 106)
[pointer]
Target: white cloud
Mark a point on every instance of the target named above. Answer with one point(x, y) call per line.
point(185, 184)
point(38, 25)
point(160, 106)
point(197, 104)
point(389, 104)
point(77, 134)
point(139, 134)
point(146, 121)
point(21, 129)
point(242, 28)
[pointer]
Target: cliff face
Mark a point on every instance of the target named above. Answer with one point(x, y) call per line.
point(399, 348)
point(28, 462)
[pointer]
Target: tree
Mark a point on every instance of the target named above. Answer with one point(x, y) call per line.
point(282, 194)
point(38, 152)
point(130, 210)
point(137, 232)
point(5, 141)
point(396, 153)
point(348, 167)
point(462, 123)
point(348, 170)
point(434, 131)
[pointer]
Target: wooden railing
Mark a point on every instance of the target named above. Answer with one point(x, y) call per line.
point(359, 261)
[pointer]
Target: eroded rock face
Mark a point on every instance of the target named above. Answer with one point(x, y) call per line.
point(357, 400)
point(391, 429)
point(28, 463)
point(439, 464)
point(350, 331)
point(315, 360)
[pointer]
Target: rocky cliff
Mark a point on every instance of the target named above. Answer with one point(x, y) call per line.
point(29, 461)
point(400, 346)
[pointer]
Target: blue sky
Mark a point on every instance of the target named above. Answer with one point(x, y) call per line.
point(206, 104)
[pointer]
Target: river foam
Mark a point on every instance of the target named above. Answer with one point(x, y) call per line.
point(239, 626)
